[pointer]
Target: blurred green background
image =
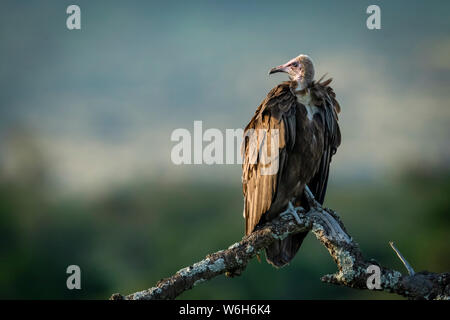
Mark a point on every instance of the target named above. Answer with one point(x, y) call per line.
point(86, 117)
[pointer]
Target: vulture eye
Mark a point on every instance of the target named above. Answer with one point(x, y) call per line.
point(295, 64)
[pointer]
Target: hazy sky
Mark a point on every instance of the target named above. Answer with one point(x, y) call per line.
point(103, 101)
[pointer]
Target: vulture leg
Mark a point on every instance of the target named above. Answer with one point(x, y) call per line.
point(292, 211)
point(309, 192)
point(310, 197)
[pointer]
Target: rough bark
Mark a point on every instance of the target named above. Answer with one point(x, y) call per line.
point(330, 231)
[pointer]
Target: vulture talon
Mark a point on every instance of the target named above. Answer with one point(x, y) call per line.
point(291, 211)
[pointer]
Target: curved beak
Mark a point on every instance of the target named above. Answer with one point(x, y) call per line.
point(282, 68)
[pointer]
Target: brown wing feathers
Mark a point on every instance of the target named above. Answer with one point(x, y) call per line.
point(324, 96)
point(276, 112)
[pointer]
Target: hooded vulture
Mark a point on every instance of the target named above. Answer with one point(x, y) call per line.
point(296, 128)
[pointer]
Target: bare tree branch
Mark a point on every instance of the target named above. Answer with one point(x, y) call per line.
point(330, 231)
point(400, 256)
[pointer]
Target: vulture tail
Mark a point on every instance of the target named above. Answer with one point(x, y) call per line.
point(281, 252)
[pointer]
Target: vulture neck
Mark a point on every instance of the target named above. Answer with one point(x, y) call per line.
point(304, 97)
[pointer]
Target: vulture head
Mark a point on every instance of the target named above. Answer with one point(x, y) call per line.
point(299, 69)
